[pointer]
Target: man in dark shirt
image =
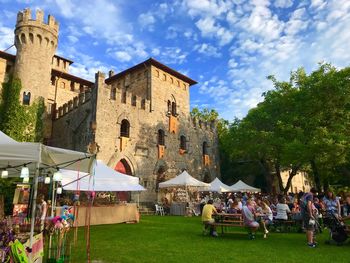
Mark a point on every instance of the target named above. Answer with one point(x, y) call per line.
point(308, 218)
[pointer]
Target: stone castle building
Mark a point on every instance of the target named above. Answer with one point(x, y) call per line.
point(137, 121)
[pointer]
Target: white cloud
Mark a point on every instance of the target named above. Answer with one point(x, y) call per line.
point(6, 37)
point(208, 28)
point(207, 50)
point(171, 55)
point(283, 3)
point(122, 56)
point(147, 20)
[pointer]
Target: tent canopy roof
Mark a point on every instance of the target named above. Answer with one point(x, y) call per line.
point(217, 186)
point(183, 179)
point(105, 179)
point(16, 154)
point(241, 186)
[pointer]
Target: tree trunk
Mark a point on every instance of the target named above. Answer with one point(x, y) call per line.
point(279, 176)
point(295, 169)
point(267, 174)
point(316, 174)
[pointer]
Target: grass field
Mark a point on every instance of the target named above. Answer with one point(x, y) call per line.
point(180, 239)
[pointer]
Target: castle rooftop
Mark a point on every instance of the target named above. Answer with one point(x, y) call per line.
point(153, 62)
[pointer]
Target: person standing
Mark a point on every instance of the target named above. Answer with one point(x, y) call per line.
point(309, 220)
point(207, 217)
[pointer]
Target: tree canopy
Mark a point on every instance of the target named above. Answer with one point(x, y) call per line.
point(301, 124)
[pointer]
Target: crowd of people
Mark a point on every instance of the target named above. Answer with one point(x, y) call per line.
point(262, 210)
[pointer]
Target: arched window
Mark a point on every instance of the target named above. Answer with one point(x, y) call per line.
point(161, 137)
point(125, 129)
point(183, 142)
point(26, 98)
point(205, 148)
point(133, 100)
point(173, 109)
point(113, 93)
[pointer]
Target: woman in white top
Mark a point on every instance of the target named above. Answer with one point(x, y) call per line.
point(282, 210)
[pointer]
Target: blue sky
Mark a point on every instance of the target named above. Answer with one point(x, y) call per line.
point(228, 46)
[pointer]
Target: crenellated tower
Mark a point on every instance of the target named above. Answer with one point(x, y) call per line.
point(36, 43)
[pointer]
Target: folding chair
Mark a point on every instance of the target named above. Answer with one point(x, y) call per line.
point(159, 210)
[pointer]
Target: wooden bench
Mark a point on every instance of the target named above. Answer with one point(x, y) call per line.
point(228, 220)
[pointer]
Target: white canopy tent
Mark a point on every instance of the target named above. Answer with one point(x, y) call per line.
point(183, 180)
point(105, 179)
point(241, 186)
point(36, 156)
point(217, 186)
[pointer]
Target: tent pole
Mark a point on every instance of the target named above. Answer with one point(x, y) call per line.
point(35, 193)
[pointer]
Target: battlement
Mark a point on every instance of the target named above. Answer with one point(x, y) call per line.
point(129, 99)
point(197, 123)
point(24, 18)
point(71, 105)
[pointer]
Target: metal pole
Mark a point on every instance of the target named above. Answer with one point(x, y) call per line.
point(35, 192)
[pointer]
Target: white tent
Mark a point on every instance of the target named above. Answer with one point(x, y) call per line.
point(217, 186)
point(241, 186)
point(105, 179)
point(183, 179)
point(13, 155)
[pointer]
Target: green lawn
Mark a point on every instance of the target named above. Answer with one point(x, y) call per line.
point(180, 239)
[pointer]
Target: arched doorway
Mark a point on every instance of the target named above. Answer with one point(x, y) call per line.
point(123, 167)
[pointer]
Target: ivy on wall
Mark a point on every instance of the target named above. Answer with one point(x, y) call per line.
point(20, 122)
point(23, 123)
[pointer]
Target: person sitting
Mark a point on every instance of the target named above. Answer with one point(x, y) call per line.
point(207, 217)
point(266, 216)
point(282, 209)
point(249, 218)
point(332, 204)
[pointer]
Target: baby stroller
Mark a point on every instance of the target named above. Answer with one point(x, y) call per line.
point(337, 229)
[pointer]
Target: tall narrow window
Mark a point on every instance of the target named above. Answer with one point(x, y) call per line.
point(81, 88)
point(205, 148)
point(161, 137)
point(143, 104)
point(125, 129)
point(113, 93)
point(183, 143)
point(169, 107)
point(133, 100)
point(173, 109)
point(72, 85)
point(26, 98)
point(124, 97)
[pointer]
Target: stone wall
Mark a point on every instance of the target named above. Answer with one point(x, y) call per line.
point(141, 151)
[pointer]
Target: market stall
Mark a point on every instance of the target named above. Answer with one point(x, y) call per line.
point(241, 186)
point(105, 210)
point(217, 186)
point(183, 188)
point(29, 162)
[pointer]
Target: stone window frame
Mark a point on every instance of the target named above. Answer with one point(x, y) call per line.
point(113, 93)
point(161, 137)
point(123, 98)
point(205, 148)
point(26, 98)
point(72, 86)
point(134, 100)
point(183, 143)
point(125, 128)
point(143, 104)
